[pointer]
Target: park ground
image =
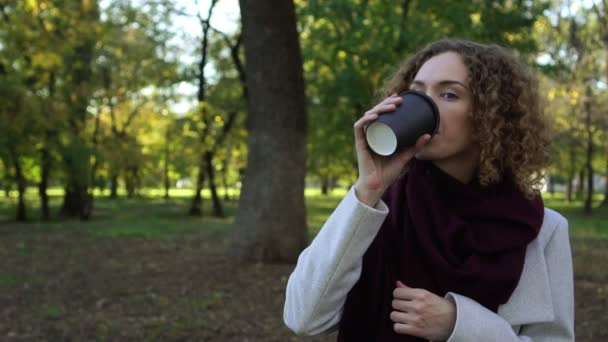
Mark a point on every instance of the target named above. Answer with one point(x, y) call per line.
point(142, 270)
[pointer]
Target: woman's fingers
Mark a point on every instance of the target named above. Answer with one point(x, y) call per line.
point(406, 323)
point(409, 153)
point(388, 105)
point(408, 293)
point(403, 305)
point(423, 140)
point(360, 128)
point(382, 108)
point(407, 329)
point(404, 317)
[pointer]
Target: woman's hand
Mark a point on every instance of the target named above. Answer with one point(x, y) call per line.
point(421, 313)
point(377, 173)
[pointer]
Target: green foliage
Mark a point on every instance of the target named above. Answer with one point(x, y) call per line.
point(573, 61)
point(351, 47)
point(92, 85)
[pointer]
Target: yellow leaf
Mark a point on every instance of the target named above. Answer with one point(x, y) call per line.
point(475, 18)
point(46, 60)
point(575, 94)
point(32, 5)
point(540, 26)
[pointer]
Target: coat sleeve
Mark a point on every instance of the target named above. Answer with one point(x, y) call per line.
point(330, 267)
point(476, 323)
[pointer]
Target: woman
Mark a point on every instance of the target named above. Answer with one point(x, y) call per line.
point(447, 240)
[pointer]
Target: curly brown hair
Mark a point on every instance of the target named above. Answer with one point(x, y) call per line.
point(509, 125)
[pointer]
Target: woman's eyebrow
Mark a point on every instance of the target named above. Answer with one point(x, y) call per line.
point(443, 82)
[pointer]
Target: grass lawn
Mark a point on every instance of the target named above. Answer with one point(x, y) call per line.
point(143, 270)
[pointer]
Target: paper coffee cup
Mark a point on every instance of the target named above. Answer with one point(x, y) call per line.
point(415, 116)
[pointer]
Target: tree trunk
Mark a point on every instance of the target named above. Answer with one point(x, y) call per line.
point(225, 179)
point(167, 184)
point(580, 188)
point(603, 16)
point(166, 164)
point(270, 224)
point(605, 201)
point(571, 172)
point(45, 166)
point(324, 185)
point(77, 202)
point(21, 214)
point(218, 211)
point(589, 155)
point(114, 185)
point(197, 200)
point(569, 188)
point(132, 181)
point(195, 208)
point(45, 155)
point(96, 154)
point(6, 181)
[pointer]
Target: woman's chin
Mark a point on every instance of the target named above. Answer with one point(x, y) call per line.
point(422, 155)
point(425, 153)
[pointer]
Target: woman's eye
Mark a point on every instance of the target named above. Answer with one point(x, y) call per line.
point(449, 96)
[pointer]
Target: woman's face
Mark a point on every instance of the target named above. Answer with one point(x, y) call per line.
point(445, 79)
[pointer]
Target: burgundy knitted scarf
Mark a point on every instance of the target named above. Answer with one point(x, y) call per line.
point(441, 235)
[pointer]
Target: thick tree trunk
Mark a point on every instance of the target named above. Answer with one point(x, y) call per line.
point(77, 202)
point(218, 210)
point(270, 224)
point(132, 181)
point(589, 155)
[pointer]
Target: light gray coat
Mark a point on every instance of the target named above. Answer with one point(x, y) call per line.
point(540, 309)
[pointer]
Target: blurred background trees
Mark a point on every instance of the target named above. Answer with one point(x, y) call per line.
point(122, 97)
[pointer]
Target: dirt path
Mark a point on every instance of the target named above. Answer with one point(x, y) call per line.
point(78, 287)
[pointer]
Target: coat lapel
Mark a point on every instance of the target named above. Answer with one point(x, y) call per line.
point(531, 301)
